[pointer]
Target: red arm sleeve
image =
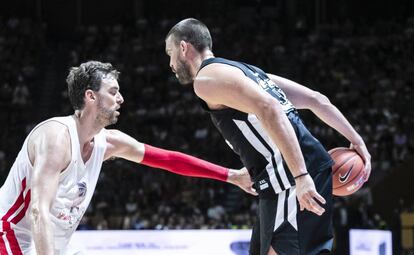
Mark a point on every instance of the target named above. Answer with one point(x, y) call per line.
point(182, 164)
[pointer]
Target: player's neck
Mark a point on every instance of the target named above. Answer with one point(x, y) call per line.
point(206, 54)
point(86, 126)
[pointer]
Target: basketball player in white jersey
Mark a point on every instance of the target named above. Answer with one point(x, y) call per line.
point(52, 181)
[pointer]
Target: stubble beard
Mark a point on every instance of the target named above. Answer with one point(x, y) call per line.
point(183, 73)
point(105, 116)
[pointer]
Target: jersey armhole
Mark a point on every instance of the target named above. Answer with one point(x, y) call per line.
point(26, 154)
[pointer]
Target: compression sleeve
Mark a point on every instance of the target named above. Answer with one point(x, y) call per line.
point(182, 164)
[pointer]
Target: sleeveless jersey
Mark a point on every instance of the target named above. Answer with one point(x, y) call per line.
point(76, 187)
point(245, 134)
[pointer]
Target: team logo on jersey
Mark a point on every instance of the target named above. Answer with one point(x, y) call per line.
point(265, 84)
point(82, 189)
point(71, 217)
point(79, 193)
point(71, 210)
point(270, 87)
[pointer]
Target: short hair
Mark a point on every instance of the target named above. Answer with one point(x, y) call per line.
point(193, 31)
point(88, 75)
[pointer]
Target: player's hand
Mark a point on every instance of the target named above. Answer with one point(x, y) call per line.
point(362, 150)
point(242, 179)
point(307, 195)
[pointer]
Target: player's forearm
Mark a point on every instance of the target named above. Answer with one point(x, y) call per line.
point(42, 232)
point(283, 135)
point(183, 164)
point(329, 114)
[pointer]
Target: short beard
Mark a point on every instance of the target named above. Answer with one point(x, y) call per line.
point(183, 73)
point(105, 116)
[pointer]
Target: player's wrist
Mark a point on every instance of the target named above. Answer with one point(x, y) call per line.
point(300, 175)
point(231, 175)
point(358, 141)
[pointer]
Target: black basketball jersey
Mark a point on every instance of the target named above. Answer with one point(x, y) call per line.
point(244, 133)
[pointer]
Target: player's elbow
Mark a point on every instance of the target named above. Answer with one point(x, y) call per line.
point(270, 110)
point(35, 213)
point(317, 100)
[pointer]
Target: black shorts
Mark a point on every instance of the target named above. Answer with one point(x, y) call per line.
point(290, 231)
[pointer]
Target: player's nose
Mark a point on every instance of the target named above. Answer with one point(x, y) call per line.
point(120, 99)
point(172, 67)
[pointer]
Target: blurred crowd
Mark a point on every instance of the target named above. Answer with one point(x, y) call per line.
point(21, 45)
point(365, 69)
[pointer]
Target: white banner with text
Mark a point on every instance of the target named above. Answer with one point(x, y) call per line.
point(370, 242)
point(169, 242)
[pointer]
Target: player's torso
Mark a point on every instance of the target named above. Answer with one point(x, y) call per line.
point(244, 133)
point(76, 186)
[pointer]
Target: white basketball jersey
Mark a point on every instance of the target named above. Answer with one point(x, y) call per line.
point(76, 187)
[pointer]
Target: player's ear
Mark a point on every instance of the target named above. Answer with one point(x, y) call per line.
point(90, 95)
point(183, 47)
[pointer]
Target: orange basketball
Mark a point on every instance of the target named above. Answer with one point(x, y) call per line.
point(347, 172)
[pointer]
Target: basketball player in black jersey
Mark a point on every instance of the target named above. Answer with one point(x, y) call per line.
point(257, 115)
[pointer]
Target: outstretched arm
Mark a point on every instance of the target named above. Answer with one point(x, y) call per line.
point(305, 98)
point(124, 146)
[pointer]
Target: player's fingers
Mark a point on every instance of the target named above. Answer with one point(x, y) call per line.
point(314, 207)
point(367, 171)
point(300, 201)
point(301, 205)
point(247, 190)
point(311, 205)
point(318, 197)
point(304, 203)
point(306, 198)
point(366, 175)
point(366, 166)
point(253, 191)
